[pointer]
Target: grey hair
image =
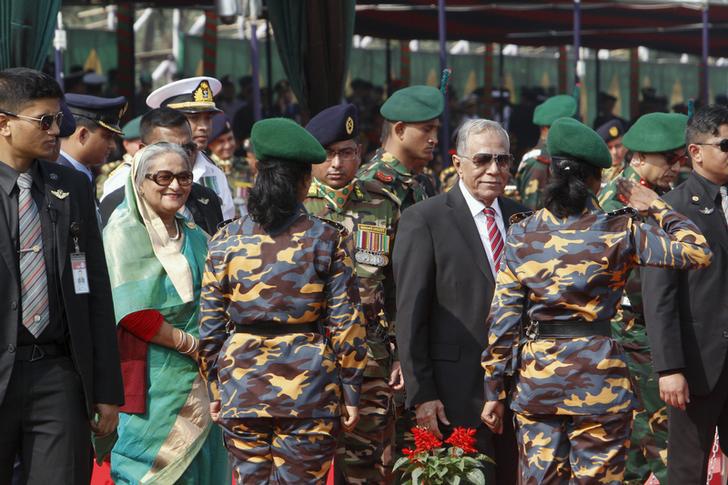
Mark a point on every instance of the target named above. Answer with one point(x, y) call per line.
point(476, 126)
point(151, 152)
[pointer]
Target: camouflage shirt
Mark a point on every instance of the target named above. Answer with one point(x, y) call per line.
point(575, 269)
point(532, 176)
point(404, 187)
point(240, 179)
point(302, 273)
point(370, 215)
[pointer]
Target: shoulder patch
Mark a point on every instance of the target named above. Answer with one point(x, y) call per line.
point(624, 210)
point(518, 217)
point(383, 177)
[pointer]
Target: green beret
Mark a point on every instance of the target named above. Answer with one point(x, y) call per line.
point(656, 132)
point(131, 129)
point(569, 138)
point(561, 106)
point(414, 104)
point(284, 139)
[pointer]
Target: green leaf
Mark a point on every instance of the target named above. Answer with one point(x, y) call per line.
point(475, 476)
point(416, 476)
point(402, 461)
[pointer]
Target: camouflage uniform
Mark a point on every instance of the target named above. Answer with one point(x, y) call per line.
point(281, 394)
point(240, 179)
point(532, 176)
point(404, 187)
point(448, 178)
point(368, 213)
point(648, 442)
point(573, 396)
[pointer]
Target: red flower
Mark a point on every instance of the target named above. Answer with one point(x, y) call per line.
point(463, 438)
point(425, 440)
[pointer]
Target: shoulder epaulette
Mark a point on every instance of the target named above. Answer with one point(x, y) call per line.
point(518, 217)
point(631, 212)
point(383, 177)
point(338, 226)
point(377, 188)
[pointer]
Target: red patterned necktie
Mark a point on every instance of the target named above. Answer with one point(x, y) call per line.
point(494, 235)
point(33, 278)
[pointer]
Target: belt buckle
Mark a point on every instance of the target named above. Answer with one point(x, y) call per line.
point(532, 330)
point(37, 354)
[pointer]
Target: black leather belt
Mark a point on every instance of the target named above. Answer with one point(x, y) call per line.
point(33, 353)
point(569, 329)
point(276, 328)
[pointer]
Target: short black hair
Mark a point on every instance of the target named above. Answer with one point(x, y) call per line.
point(160, 118)
point(706, 121)
point(82, 121)
point(21, 85)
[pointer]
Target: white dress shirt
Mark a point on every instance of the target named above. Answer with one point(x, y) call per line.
point(476, 210)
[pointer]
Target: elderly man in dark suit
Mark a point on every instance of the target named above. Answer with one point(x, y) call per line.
point(687, 311)
point(447, 254)
point(60, 377)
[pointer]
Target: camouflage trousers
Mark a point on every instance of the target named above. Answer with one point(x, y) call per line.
point(648, 449)
point(573, 450)
point(359, 458)
point(281, 450)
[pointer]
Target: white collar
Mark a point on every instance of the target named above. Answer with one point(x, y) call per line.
point(476, 207)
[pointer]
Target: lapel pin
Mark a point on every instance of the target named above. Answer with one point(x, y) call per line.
point(60, 193)
point(203, 201)
point(54, 176)
point(706, 210)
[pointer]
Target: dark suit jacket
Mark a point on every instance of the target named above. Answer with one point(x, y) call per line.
point(203, 203)
point(90, 317)
point(444, 289)
point(686, 310)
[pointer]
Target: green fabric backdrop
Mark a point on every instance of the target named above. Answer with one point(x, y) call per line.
point(26, 31)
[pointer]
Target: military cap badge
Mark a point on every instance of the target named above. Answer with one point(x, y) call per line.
point(349, 125)
point(202, 94)
point(614, 131)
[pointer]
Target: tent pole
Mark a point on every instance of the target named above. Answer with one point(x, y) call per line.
point(445, 140)
point(704, 75)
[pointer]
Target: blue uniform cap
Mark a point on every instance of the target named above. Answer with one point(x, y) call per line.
point(220, 126)
point(105, 112)
point(336, 123)
point(68, 125)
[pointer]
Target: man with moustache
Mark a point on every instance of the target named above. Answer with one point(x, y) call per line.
point(60, 378)
point(657, 141)
point(193, 97)
point(370, 216)
point(686, 312)
point(409, 139)
point(447, 254)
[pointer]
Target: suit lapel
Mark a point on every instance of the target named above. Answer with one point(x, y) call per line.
point(469, 231)
point(713, 222)
point(59, 204)
point(10, 255)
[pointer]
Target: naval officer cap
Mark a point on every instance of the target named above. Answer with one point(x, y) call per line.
point(656, 133)
point(105, 112)
point(560, 106)
point(335, 123)
point(571, 139)
point(413, 104)
point(191, 95)
point(284, 139)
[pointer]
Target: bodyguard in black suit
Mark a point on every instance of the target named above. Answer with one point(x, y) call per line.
point(166, 124)
point(445, 258)
point(59, 366)
point(687, 311)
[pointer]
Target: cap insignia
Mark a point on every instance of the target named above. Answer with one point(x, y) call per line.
point(349, 125)
point(614, 131)
point(203, 93)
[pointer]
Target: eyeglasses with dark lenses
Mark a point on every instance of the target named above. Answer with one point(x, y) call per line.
point(164, 178)
point(480, 160)
point(723, 145)
point(676, 157)
point(45, 121)
point(344, 154)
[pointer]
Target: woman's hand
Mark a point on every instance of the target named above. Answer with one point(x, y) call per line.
point(350, 418)
point(635, 195)
point(492, 416)
point(215, 410)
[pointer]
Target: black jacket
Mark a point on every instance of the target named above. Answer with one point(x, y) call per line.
point(90, 317)
point(444, 290)
point(686, 311)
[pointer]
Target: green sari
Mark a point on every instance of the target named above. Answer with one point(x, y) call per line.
point(175, 440)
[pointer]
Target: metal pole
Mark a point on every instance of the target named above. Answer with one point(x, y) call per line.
point(268, 67)
point(57, 52)
point(445, 141)
point(577, 38)
point(704, 85)
point(254, 60)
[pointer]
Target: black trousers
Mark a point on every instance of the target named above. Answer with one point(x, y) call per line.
point(44, 423)
point(691, 433)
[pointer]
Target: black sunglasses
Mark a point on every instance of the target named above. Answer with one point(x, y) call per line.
point(723, 145)
point(45, 121)
point(164, 178)
point(480, 160)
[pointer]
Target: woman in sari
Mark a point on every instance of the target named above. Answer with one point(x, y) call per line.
point(156, 259)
